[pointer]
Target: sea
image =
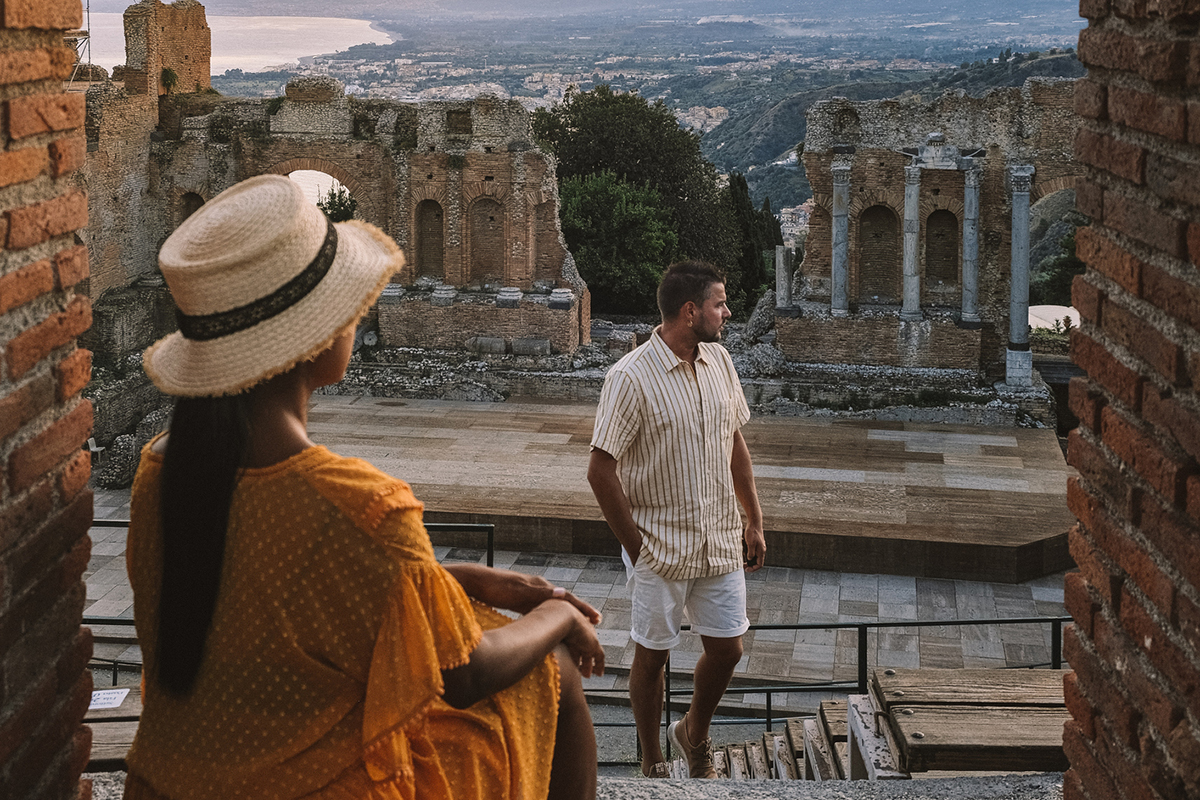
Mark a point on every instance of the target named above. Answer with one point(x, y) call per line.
point(251, 44)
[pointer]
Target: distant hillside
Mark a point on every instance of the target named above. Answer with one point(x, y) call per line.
point(754, 138)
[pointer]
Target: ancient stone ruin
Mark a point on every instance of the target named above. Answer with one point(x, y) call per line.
point(918, 247)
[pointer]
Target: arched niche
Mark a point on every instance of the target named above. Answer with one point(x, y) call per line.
point(430, 240)
point(880, 253)
point(487, 242)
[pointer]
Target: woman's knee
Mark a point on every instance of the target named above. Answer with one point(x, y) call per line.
point(570, 682)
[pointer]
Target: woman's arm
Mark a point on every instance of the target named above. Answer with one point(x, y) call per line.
point(515, 591)
point(505, 655)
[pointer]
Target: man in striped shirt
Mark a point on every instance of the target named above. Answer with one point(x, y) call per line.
point(669, 468)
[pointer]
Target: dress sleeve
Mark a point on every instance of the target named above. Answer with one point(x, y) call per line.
point(428, 625)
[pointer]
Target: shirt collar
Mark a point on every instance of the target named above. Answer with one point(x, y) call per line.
point(666, 357)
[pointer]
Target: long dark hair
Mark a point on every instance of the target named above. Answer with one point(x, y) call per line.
point(205, 449)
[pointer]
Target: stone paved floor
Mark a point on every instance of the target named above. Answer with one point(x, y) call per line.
point(775, 595)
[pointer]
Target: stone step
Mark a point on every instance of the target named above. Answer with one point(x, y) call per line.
point(1046, 786)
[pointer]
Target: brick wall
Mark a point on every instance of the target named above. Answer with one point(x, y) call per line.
point(415, 322)
point(815, 337)
point(45, 505)
point(1135, 648)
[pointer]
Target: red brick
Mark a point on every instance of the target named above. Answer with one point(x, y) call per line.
point(25, 514)
point(1101, 472)
point(76, 561)
point(1093, 9)
point(23, 66)
point(1139, 336)
point(1153, 58)
point(1193, 242)
point(31, 346)
point(73, 373)
point(1099, 363)
point(1180, 421)
point(1072, 785)
point(74, 660)
point(1087, 299)
point(1149, 225)
point(45, 113)
point(47, 14)
point(1163, 471)
point(1079, 603)
point(1177, 297)
point(42, 453)
point(1079, 752)
point(68, 154)
point(1172, 534)
point(1122, 159)
point(1147, 634)
point(24, 403)
point(39, 222)
point(1147, 112)
point(29, 282)
point(1109, 259)
point(1186, 617)
point(1193, 498)
point(1158, 771)
point(1172, 179)
point(71, 265)
point(1193, 123)
point(1132, 9)
point(1089, 198)
point(75, 475)
point(1085, 402)
point(1081, 710)
point(1087, 557)
point(32, 710)
point(1091, 99)
point(19, 166)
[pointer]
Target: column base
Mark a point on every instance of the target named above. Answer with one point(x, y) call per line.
point(911, 316)
point(840, 312)
point(1019, 369)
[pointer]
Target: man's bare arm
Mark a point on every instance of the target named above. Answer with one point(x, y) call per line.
point(747, 494)
point(614, 503)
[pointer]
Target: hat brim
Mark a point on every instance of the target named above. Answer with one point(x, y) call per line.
point(366, 259)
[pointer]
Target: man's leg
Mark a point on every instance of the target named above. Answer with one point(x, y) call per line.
point(714, 670)
point(646, 698)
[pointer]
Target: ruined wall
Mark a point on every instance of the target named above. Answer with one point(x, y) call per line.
point(159, 37)
point(45, 505)
point(932, 342)
point(416, 322)
point(1135, 646)
point(1032, 125)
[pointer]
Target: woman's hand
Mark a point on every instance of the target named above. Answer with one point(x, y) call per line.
point(515, 591)
point(586, 651)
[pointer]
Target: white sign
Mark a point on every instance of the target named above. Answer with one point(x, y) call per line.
point(108, 698)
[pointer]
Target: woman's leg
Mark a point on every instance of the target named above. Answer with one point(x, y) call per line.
point(573, 771)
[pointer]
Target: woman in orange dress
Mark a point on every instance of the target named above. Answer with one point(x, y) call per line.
point(299, 637)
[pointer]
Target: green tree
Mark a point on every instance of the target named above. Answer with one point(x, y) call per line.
point(758, 233)
point(338, 203)
point(641, 143)
point(1052, 285)
point(622, 237)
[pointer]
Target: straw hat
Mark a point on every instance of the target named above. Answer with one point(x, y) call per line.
point(262, 281)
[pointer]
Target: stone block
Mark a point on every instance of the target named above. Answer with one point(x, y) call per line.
point(509, 297)
point(487, 345)
point(531, 347)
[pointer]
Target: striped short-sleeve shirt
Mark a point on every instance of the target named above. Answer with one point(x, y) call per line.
point(671, 430)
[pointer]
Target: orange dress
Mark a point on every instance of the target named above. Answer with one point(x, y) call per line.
point(322, 671)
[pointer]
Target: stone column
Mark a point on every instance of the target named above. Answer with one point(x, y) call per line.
point(783, 277)
point(970, 240)
point(840, 303)
point(911, 311)
point(1020, 359)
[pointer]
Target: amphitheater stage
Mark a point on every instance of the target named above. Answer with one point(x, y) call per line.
point(970, 503)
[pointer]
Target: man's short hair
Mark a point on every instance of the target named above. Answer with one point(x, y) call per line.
point(684, 281)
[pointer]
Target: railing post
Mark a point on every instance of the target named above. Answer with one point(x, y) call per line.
point(667, 704)
point(768, 710)
point(1056, 645)
point(491, 555)
point(862, 659)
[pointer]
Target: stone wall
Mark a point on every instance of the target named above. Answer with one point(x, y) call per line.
point(881, 338)
point(1135, 646)
point(45, 505)
point(417, 322)
point(877, 140)
point(159, 37)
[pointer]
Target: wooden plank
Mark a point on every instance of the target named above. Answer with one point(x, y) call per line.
point(783, 763)
point(1011, 738)
point(833, 717)
point(873, 754)
point(965, 687)
point(756, 760)
point(795, 736)
point(818, 760)
point(739, 770)
point(720, 764)
point(110, 742)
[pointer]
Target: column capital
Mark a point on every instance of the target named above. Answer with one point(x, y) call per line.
point(1021, 176)
point(841, 173)
point(971, 173)
point(912, 174)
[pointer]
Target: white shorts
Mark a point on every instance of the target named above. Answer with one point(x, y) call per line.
point(716, 606)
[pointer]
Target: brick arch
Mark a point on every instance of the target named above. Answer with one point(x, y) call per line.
point(932, 203)
point(823, 201)
point(491, 189)
point(428, 190)
point(352, 184)
point(535, 198)
point(1050, 186)
point(861, 201)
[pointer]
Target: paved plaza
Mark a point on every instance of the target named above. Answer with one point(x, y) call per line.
point(777, 595)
